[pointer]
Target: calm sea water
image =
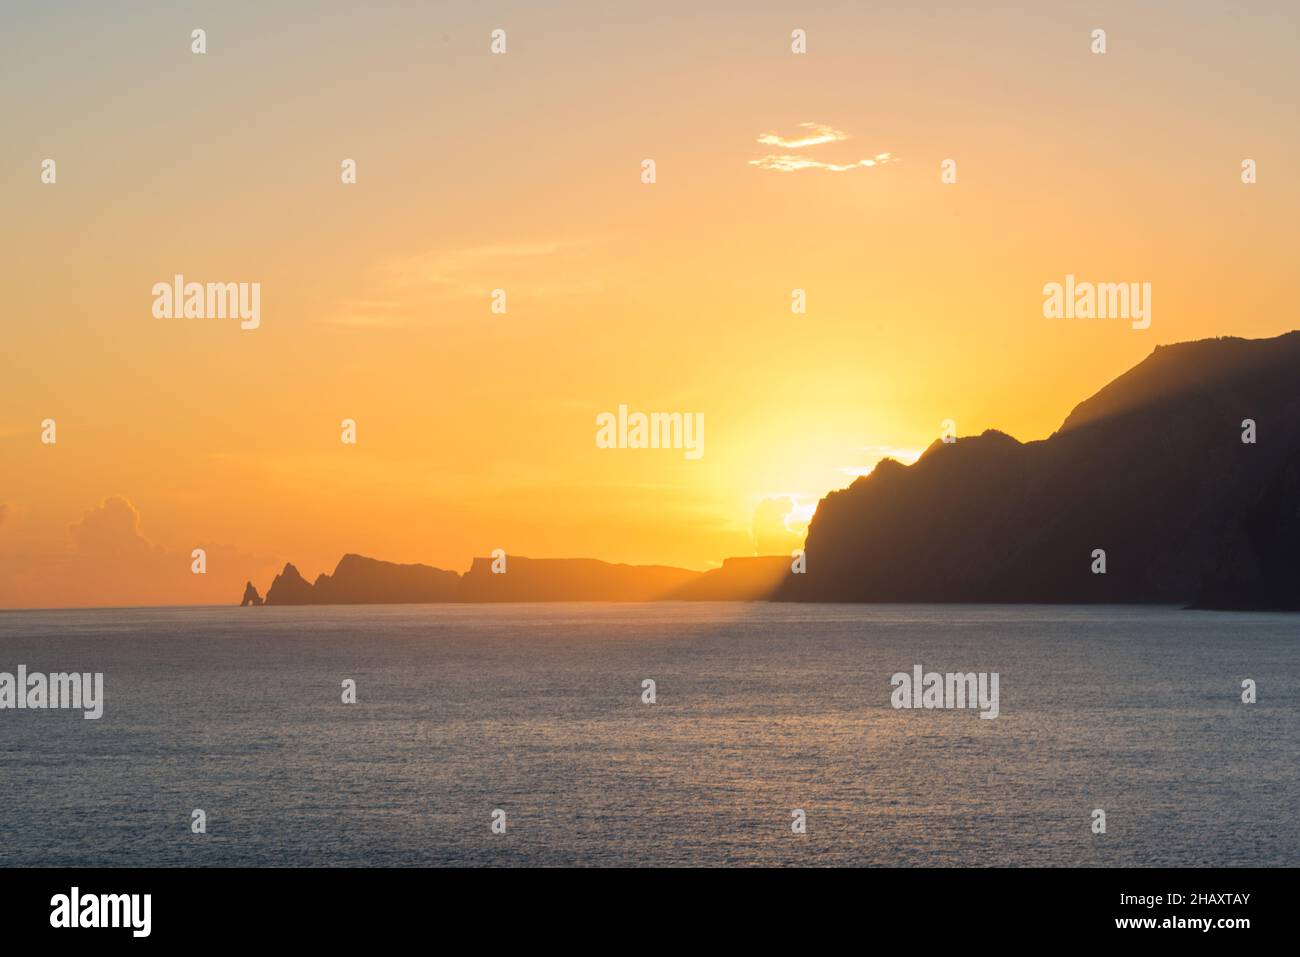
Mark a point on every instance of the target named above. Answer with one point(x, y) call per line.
point(536, 710)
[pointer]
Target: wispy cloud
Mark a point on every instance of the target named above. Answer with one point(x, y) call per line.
point(787, 163)
point(815, 134)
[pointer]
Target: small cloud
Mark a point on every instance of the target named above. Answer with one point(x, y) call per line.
point(790, 164)
point(817, 133)
point(781, 524)
point(112, 528)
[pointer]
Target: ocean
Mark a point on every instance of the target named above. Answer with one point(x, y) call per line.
point(760, 710)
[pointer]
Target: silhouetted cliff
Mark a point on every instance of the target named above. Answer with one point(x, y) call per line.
point(1152, 470)
point(289, 588)
point(359, 580)
point(739, 579)
point(569, 579)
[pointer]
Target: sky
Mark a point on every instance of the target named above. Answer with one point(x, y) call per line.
point(774, 171)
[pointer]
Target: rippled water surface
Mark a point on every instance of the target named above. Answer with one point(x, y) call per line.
point(536, 710)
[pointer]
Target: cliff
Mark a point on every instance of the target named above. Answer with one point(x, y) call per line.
point(1152, 469)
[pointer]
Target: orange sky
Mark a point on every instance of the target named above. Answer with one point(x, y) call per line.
point(522, 172)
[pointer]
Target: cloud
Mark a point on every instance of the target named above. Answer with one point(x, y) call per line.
point(817, 134)
point(780, 525)
point(111, 528)
point(105, 559)
point(789, 164)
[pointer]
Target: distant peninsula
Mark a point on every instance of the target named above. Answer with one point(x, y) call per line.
point(361, 580)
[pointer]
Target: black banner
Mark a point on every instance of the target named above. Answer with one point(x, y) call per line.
point(365, 906)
